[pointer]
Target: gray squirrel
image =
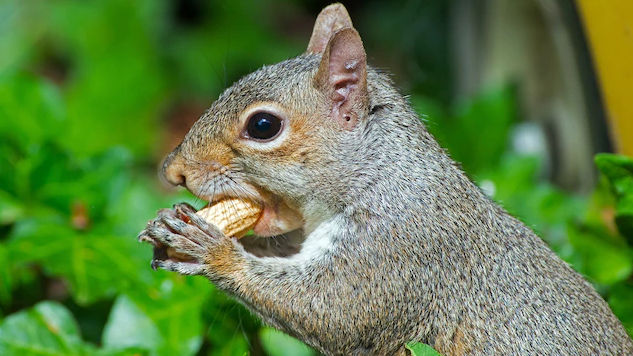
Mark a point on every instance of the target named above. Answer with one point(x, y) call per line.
point(396, 244)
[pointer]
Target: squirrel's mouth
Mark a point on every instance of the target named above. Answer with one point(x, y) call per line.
point(277, 232)
point(277, 217)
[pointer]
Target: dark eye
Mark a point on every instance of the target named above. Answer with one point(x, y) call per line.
point(263, 126)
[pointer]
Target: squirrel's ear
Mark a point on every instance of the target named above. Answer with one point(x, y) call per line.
point(342, 75)
point(331, 19)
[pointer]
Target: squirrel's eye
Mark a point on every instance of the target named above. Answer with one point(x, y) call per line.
point(263, 126)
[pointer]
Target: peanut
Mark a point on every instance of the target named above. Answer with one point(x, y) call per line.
point(235, 217)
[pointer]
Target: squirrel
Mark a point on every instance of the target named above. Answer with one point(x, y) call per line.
point(391, 242)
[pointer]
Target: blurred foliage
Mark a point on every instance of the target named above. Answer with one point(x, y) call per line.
point(89, 92)
point(619, 171)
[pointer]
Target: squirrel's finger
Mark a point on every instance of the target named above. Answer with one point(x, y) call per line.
point(144, 236)
point(183, 247)
point(199, 221)
point(187, 268)
point(166, 232)
point(199, 235)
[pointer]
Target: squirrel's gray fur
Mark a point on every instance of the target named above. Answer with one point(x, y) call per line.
point(407, 247)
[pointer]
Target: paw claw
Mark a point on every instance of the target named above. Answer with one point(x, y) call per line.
point(144, 236)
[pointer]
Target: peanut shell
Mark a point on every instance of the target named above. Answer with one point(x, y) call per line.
point(235, 217)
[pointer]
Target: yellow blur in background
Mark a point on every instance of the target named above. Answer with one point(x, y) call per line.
point(609, 26)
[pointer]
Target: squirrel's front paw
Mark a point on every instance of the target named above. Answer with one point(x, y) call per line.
point(183, 241)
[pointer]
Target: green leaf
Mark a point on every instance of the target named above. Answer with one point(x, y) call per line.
point(95, 264)
point(60, 181)
point(277, 343)
point(10, 209)
point(615, 167)
point(599, 258)
point(619, 171)
point(174, 305)
point(6, 279)
point(132, 351)
point(48, 328)
point(16, 36)
point(420, 349)
point(129, 326)
point(31, 110)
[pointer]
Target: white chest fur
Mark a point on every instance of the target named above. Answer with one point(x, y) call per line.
point(316, 245)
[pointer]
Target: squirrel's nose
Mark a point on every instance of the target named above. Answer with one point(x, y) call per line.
point(173, 170)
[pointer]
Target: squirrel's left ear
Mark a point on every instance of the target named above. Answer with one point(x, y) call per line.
point(342, 76)
point(331, 19)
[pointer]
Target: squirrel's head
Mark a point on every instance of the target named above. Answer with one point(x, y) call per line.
point(267, 136)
